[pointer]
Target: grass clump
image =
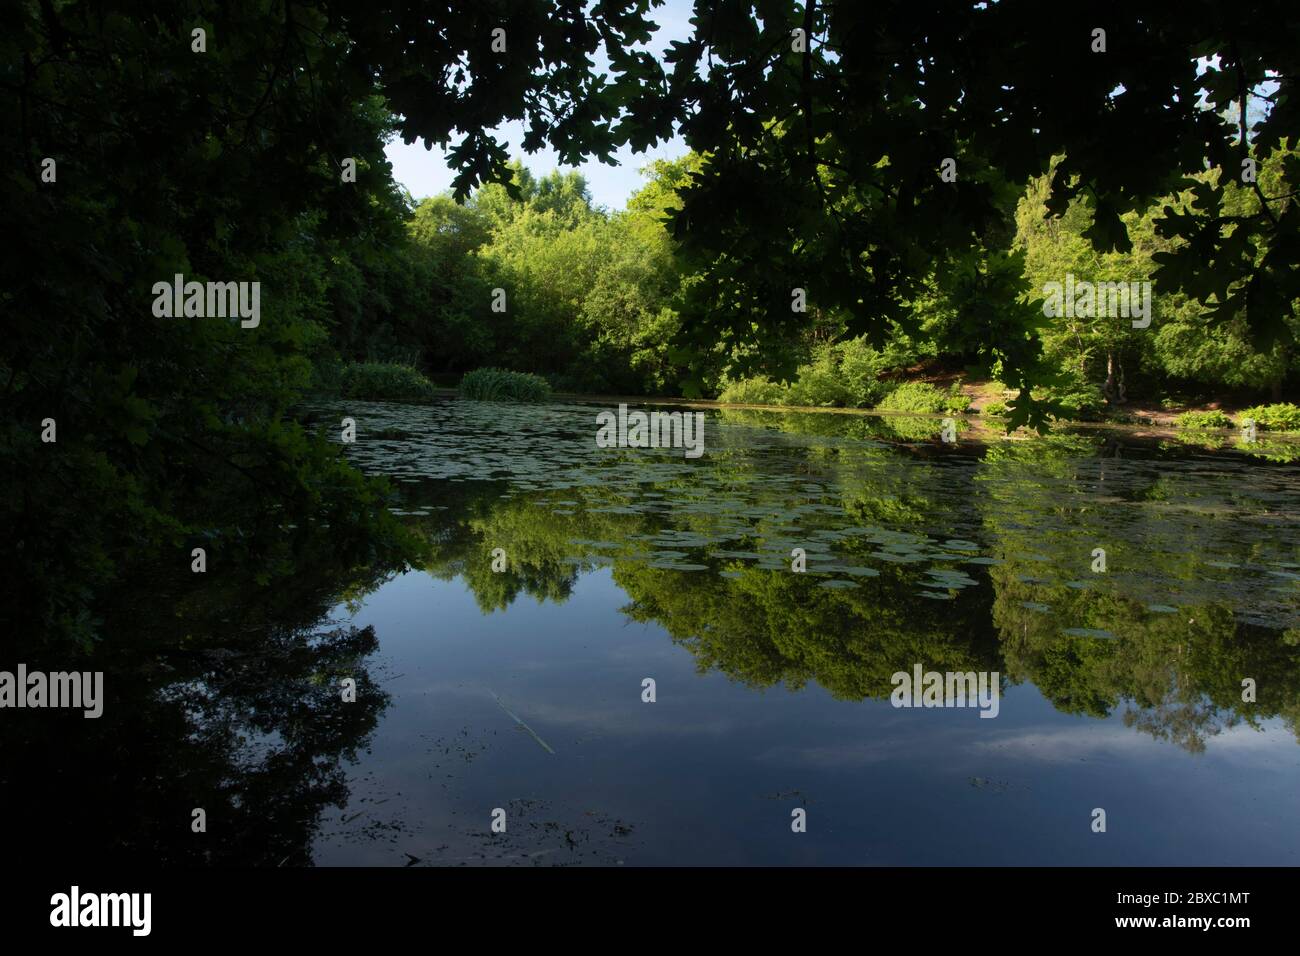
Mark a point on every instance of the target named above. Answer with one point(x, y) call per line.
point(384, 382)
point(500, 385)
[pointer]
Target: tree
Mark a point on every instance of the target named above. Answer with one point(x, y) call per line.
point(865, 102)
point(221, 157)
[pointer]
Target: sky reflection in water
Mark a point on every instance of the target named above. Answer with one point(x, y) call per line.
point(1121, 690)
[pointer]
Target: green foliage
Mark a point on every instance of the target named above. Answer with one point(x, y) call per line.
point(1281, 417)
point(861, 366)
point(591, 296)
point(608, 303)
point(384, 382)
point(995, 409)
point(499, 385)
point(957, 402)
point(224, 166)
point(819, 383)
point(1079, 402)
point(840, 375)
point(795, 179)
point(920, 397)
point(759, 390)
point(1188, 341)
point(1210, 419)
point(844, 375)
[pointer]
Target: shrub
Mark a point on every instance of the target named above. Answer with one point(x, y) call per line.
point(818, 386)
point(956, 402)
point(384, 382)
point(1079, 402)
point(915, 397)
point(1282, 417)
point(499, 385)
point(995, 409)
point(840, 375)
point(859, 368)
point(759, 390)
point(819, 383)
point(1210, 419)
point(327, 374)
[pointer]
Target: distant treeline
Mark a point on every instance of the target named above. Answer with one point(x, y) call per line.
point(537, 279)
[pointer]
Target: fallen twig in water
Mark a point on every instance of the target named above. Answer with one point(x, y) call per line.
point(514, 716)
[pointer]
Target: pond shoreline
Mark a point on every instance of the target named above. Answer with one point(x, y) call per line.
point(979, 428)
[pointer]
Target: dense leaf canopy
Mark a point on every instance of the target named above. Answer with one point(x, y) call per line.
point(147, 140)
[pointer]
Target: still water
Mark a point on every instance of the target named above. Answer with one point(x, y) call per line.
point(1120, 674)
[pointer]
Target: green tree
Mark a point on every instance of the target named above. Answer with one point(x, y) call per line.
point(862, 107)
point(227, 164)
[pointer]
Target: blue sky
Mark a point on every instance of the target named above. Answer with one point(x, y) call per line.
point(425, 173)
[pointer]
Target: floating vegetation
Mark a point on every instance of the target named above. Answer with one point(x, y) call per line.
point(862, 511)
point(1088, 632)
point(860, 572)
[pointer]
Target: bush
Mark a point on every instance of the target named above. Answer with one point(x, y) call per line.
point(384, 382)
point(916, 397)
point(995, 409)
point(1283, 417)
point(840, 375)
point(1079, 402)
point(759, 390)
point(327, 374)
point(956, 402)
point(860, 367)
point(819, 386)
point(499, 385)
point(1210, 419)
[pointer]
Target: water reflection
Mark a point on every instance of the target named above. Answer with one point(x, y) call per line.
point(222, 696)
point(1124, 686)
point(976, 558)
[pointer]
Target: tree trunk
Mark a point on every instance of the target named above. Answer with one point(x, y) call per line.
point(1114, 387)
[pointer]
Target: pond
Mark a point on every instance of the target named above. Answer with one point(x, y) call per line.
point(627, 656)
